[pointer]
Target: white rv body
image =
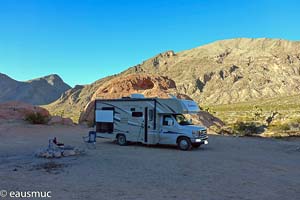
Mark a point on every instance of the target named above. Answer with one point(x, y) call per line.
point(148, 120)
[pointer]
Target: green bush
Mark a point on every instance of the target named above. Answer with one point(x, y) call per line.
point(36, 118)
point(246, 128)
point(279, 127)
point(283, 127)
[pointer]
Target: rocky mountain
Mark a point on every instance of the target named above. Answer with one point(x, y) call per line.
point(236, 70)
point(38, 91)
point(229, 71)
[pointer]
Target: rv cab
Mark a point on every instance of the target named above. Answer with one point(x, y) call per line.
point(149, 121)
point(176, 125)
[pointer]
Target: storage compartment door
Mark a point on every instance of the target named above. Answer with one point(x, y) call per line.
point(104, 121)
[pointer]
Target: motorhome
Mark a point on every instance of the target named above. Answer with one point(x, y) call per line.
point(149, 121)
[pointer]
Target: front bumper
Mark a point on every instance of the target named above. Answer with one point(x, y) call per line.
point(200, 140)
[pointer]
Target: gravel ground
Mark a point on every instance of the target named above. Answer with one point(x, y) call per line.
point(226, 168)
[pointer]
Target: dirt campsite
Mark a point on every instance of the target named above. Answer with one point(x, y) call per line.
point(227, 168)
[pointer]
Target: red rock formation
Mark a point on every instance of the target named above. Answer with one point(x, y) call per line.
point(136, 83)
point(14, 110)
point(87, 116)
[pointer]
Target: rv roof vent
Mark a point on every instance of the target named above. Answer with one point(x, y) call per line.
point(137, 96)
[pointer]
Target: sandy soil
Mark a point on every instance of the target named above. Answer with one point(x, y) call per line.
point(227, 168)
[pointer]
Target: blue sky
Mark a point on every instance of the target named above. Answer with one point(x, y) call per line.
point(84, 40)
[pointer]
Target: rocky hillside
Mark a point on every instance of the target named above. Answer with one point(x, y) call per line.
point(38, 91)
point(228, 71)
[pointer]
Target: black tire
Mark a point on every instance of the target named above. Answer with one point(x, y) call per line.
point(121, 140)
point(196, 145)
point(184, 144)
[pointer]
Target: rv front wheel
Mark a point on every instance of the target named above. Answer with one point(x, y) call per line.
point(184, 144)
point(121, 140)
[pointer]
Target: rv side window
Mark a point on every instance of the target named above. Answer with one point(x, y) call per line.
point(108, 108)
point(166, 119)
point(150, 115)
point(137, 114)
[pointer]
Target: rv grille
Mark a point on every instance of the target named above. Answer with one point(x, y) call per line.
point(202, 134)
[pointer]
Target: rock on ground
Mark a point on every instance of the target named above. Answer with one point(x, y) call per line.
point(60, 120)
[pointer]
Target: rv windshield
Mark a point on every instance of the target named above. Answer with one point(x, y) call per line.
point(182, 120)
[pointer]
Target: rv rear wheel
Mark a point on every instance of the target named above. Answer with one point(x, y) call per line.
point(184, 144)
point(121, 140)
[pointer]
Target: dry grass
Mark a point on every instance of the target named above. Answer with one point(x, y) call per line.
point(286, 121)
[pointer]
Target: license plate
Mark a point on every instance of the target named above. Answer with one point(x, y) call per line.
point(198, 140)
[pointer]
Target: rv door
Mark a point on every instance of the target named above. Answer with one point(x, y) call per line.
point(168, 133)
point(146, 125)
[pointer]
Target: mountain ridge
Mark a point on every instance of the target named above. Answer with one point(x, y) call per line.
point(231, 68)
point(37, 91)
point(222, 72)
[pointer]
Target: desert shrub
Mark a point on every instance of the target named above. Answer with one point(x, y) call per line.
point(294, 126)
point(257, 112)
point(36, 118)
point(288, 125)
point(295, 121)
point(246, 128)
point(271, 118)
point(280, 127)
